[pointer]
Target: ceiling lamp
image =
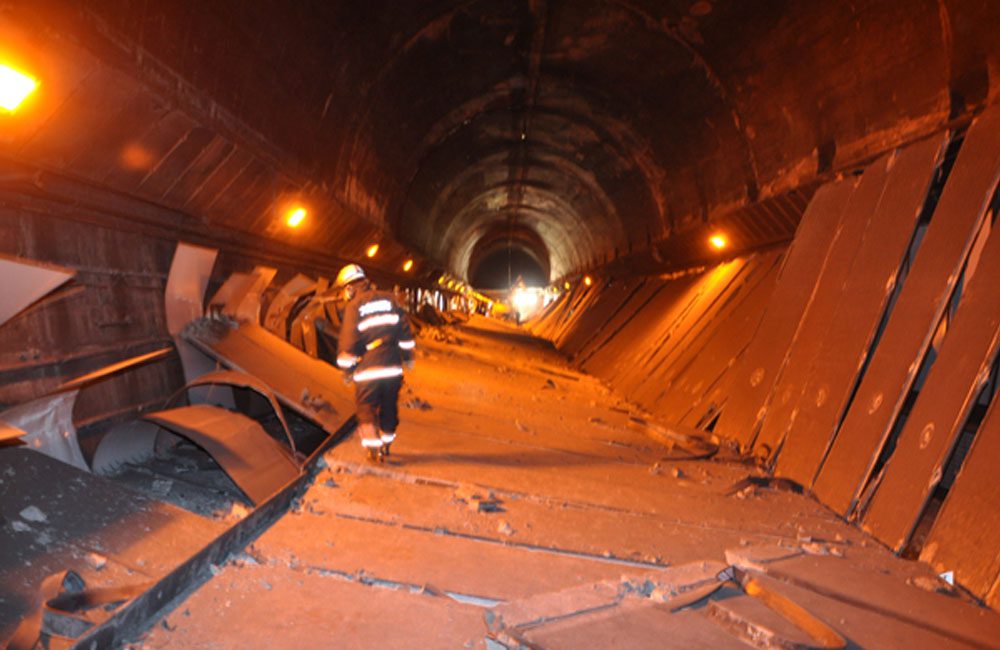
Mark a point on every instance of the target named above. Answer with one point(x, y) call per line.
point(295, 217)
point(14, 87)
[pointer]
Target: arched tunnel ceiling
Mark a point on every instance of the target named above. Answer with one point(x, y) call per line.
point(584, 129)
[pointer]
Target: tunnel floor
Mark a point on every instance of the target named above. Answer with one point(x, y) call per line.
point(516, 479)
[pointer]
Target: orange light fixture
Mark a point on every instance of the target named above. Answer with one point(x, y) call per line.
point(295, 217)
point(587, 280)
point(14, 87)
point(407, 265)
point(372, 250)
point(718, 241)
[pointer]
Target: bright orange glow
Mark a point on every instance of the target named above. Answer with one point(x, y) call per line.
point(295, 217)
point(372, 250)
point(451, 284)
point(441, 280)
point(407, 265)
point(14, 87)
point(587, 281)
point(718, 242)
point(566, 286)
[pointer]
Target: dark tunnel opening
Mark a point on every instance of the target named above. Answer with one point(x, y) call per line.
point(502, 268)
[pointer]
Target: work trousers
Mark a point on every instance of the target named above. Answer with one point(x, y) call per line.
point(377, 403)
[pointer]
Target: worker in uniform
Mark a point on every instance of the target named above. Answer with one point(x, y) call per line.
point(375, 344)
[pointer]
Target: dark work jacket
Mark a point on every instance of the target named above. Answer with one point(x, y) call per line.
point(375, 337)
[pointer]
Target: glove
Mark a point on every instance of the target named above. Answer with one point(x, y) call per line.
point(348, 378)
point(408, 364)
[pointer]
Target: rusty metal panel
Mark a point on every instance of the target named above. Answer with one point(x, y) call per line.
point(239, 296)
point(704, 359)
point(966, 535)
point(760, 364)
point(628, 311)
point(685, 334)
point(26, 281)
point(615, 360)
point(540, 322)
point(48, 427)
point(722, 300)
point(863, 300)
point(632, 371)
point(190, 271)
point(593, 321)
point(580, 300)
point(256, 462)
point(107, 371)
point(926, 441)
point(699, 390)
point(276, 318)
point(308, 386)
point(925, 294)
point(815, 323)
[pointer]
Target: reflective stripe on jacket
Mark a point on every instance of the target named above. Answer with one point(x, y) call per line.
point(375, 337)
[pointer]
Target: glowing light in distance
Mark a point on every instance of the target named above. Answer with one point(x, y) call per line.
point(566, 286)
point(718, 242)
point(441, 280)
point(295, 217)
point(407, 265)
point(525, 301)
point(372, 250)
point(14, 87)
point(587, 280)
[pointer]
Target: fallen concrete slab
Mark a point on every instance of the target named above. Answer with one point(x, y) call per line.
point(257, 463)
point(306, 385)
point(56, 517)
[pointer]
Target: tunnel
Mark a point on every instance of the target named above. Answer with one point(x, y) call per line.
point(700, 298)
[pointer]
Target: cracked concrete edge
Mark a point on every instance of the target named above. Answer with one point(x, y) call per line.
point(672, 586)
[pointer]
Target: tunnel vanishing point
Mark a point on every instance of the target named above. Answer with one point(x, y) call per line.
point(762, 232)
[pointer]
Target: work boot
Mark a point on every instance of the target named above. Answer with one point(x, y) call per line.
point(387, 440)
point(370, 440)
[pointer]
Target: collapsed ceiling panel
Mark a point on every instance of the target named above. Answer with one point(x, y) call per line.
point(25, 282)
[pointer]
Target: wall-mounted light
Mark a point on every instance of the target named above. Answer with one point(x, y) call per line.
point(14, 87)
point(587, 280)
point(718, 241)
point(295, 216)
point(372, 251)
point(407, 266)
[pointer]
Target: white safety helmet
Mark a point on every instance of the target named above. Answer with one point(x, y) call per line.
point(348, 275)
